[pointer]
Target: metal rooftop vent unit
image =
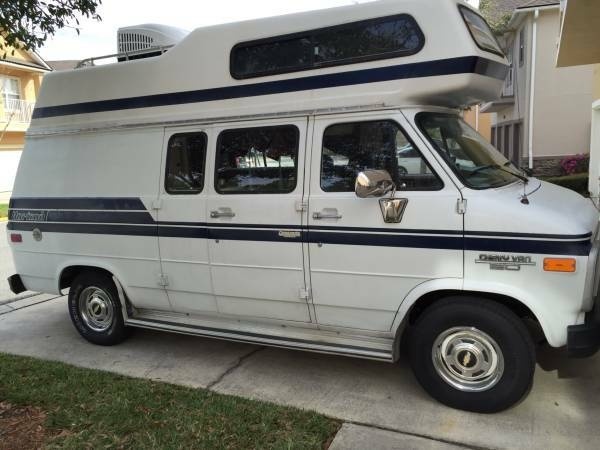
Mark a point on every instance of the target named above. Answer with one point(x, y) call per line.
point(147, 40)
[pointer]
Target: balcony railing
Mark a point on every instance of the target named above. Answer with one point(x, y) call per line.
point(17, 110)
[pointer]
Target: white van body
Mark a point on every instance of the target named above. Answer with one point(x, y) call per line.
point(308, 269)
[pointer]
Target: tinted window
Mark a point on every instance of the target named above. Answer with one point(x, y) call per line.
point(366, 39)
point(257, 160)
point(185, 163)
point(278, 56)
point(386, 37)
point(480, 31)
point(350, 148)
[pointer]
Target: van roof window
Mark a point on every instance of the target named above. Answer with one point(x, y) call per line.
point(366, 40)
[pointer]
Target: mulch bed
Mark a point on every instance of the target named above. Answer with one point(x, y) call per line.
point(21, 428)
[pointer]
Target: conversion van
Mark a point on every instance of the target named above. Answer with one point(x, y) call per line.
point(307, 182)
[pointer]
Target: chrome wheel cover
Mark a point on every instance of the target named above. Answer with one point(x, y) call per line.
point(96, 308)
point(468, 359)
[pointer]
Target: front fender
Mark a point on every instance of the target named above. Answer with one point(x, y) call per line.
point(553, 325)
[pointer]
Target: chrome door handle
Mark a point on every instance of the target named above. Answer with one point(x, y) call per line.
point(327, 213)
point(222, 212)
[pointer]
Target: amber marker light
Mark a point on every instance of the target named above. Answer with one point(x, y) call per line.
point(560, 265)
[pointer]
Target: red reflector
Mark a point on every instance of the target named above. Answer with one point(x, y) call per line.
point(15, 237)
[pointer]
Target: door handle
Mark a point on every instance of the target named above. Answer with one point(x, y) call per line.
point(222, 212)
point(327, 213)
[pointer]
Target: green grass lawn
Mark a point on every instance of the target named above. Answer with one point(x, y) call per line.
point(92, 409)
point(3, 210)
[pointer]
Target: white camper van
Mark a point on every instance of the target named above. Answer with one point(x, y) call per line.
point(307, 182)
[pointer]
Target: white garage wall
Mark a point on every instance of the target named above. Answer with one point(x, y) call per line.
point(9, 161)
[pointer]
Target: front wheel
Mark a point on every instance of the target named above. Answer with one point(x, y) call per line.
point(472, 354)
point(95, 309)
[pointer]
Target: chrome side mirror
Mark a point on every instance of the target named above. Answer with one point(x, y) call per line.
point(374, 183)
point(377, 183)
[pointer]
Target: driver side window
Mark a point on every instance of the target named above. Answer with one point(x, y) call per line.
point(349, 148)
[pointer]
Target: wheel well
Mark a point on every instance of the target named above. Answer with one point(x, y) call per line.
point(517, 307)
point(70, 273)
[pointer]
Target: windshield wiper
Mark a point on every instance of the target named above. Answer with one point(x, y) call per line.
point(521, 177)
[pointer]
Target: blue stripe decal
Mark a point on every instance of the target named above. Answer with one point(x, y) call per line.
point(456, 242)
point(129, 217)
point(95, 203)
point(104, 217)
point(81, 228)
point(450, 66)
point(387, 240)
point(575, 248)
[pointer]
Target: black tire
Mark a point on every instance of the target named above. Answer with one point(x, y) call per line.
point(491, 320)
point(111, 331)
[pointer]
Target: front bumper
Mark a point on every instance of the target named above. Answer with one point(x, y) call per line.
point(584, 340)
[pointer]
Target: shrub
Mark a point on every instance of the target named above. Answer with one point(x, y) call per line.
point(575, 164)
point(577, 182)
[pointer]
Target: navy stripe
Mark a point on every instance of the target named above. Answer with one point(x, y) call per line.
point(104, 217)
point(192, 229)
point(83, 228)
point(387, 240)
point(578, 248)
point(96, 203)
point(450, 66)
point(529, 235)
point(183, 232)
point(385, 230)
point(574, 248)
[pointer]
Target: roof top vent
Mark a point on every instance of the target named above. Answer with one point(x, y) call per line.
point(147, 40)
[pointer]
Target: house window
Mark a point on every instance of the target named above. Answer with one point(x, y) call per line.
point(367, 40)
point(522, 47)
point(11, 92)
point(506, 141)
point(517, 138)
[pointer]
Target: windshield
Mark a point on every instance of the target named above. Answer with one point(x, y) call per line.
point(473, 159)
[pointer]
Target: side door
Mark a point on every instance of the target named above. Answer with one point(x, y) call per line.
point(255, 220)
point(182, 226)
point(361, 268)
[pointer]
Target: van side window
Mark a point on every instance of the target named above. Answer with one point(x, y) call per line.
point(366, 40)
point(257, 160)
point(186, 155)
point(349, 148)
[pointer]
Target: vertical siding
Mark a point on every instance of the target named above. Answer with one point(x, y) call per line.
point(561, 122)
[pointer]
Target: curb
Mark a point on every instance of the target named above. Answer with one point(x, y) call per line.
point(26, 302)
point(18, 297)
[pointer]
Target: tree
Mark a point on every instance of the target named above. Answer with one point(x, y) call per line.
point(496, 17)
point(28, 23)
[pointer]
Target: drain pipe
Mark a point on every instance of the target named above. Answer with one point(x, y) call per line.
point(536, 15)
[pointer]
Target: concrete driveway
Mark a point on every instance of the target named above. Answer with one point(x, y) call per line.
point(381, 403)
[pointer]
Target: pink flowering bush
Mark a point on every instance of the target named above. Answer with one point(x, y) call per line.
point(574, 164)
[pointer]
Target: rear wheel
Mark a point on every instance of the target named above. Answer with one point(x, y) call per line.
point(95, 309)
point(472, 354)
